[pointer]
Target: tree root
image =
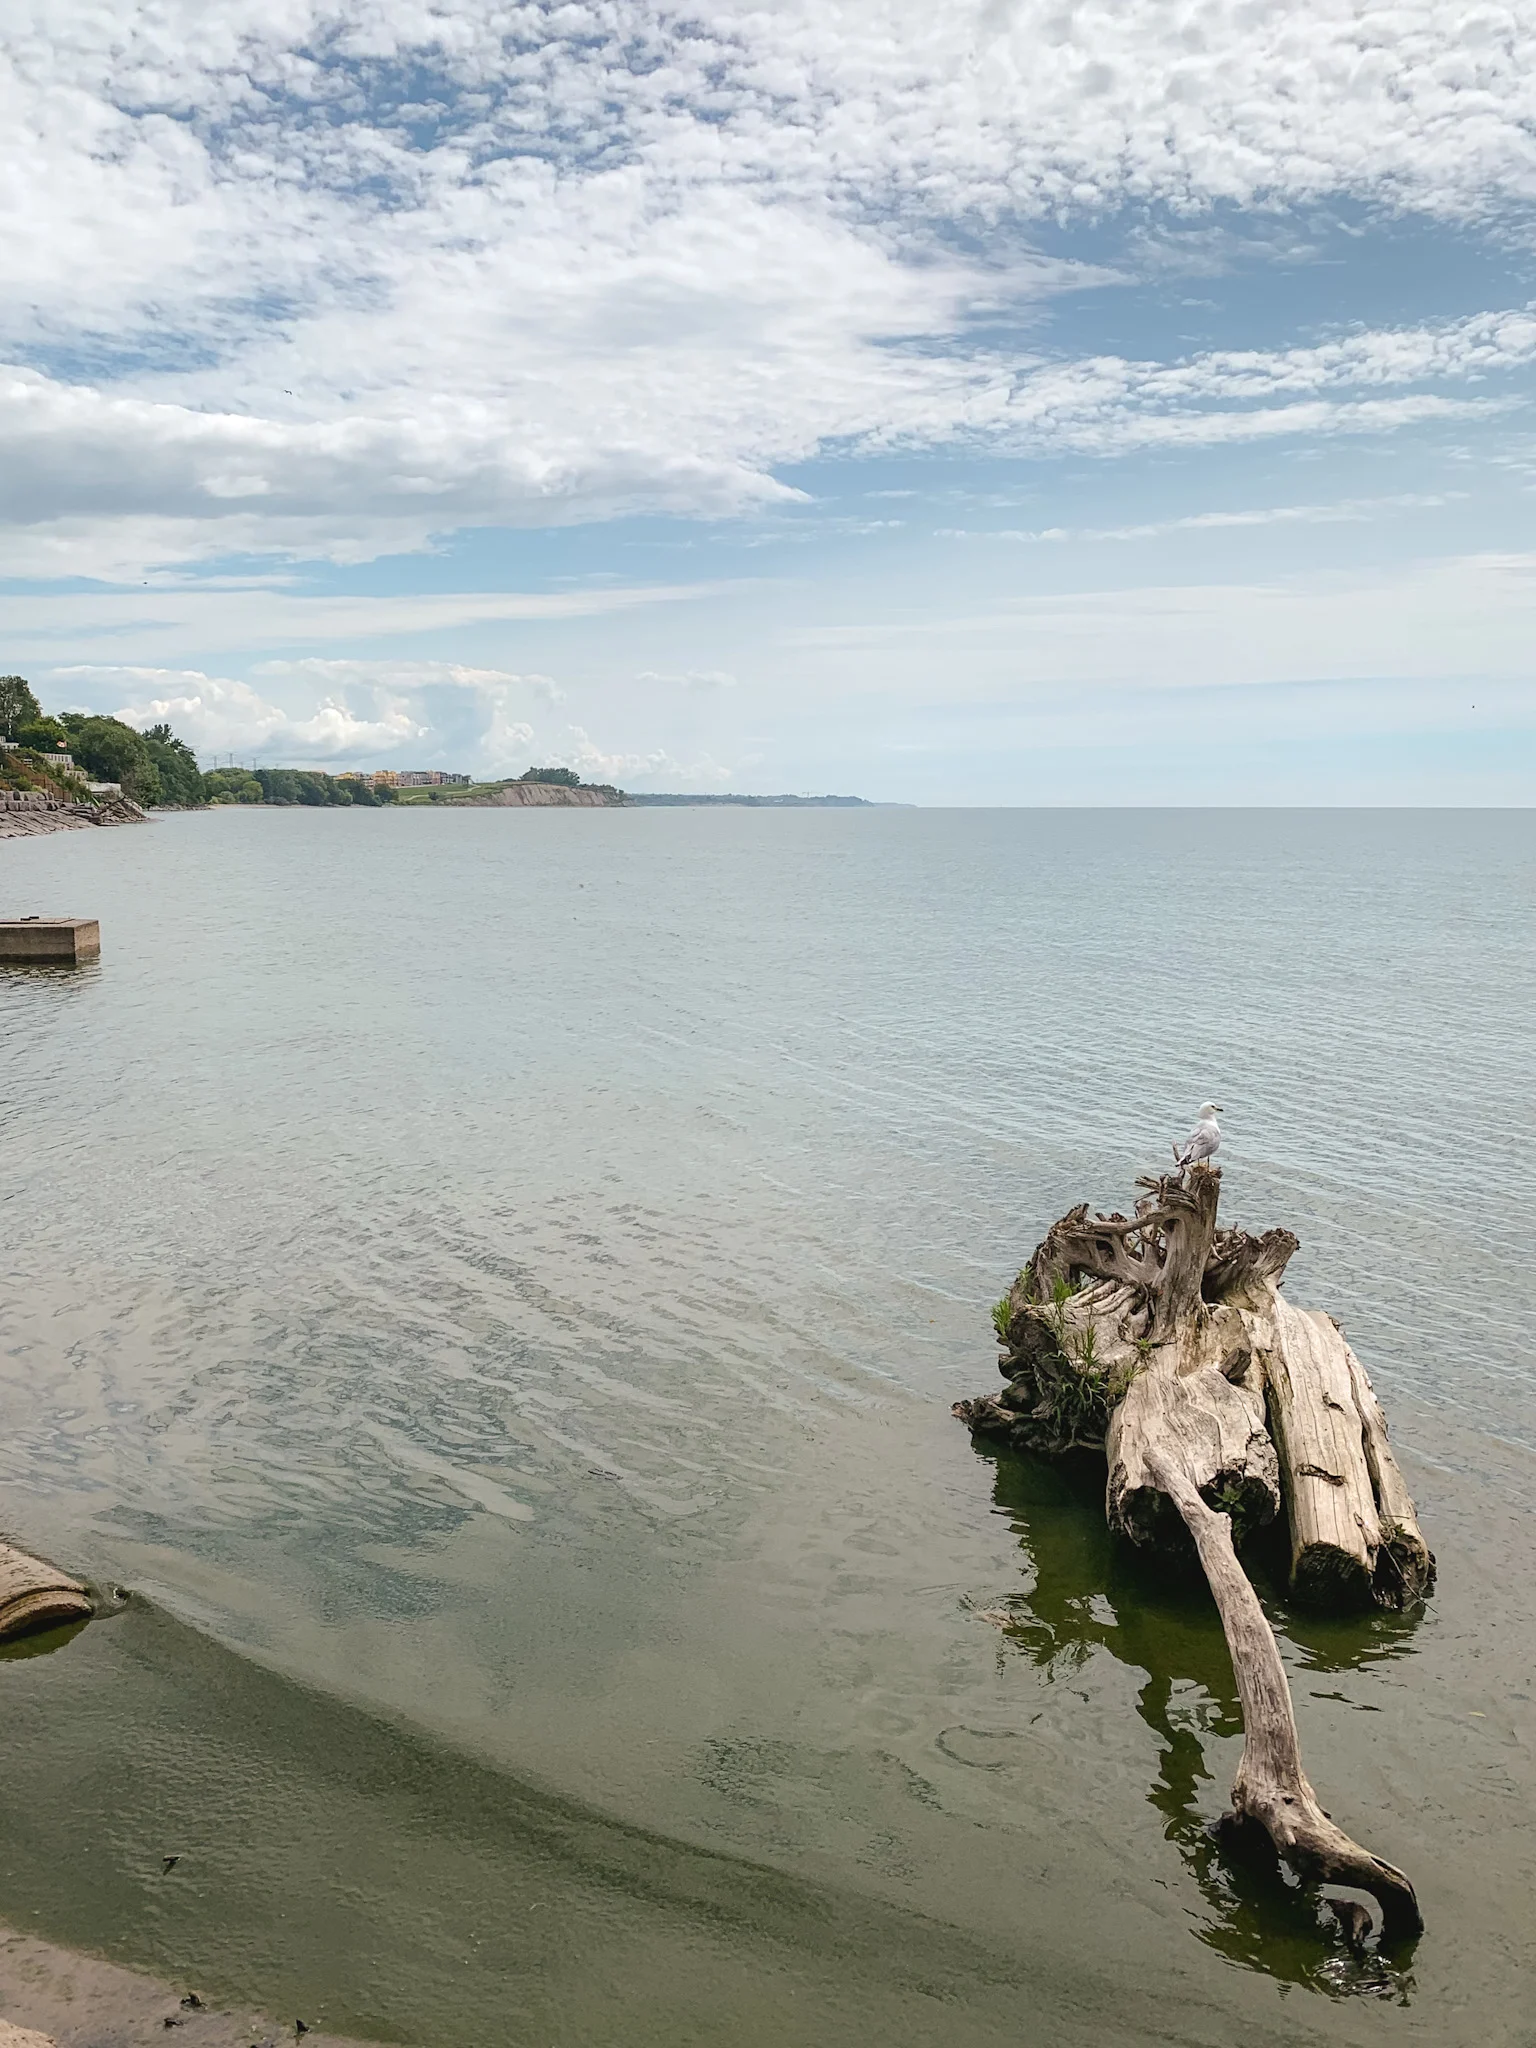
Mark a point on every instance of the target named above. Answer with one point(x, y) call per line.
point(1271, 1788)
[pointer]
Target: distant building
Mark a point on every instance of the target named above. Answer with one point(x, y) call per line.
point(385, 778)
point(430, 778)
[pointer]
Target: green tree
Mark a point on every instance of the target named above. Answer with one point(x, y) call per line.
point(566, 777)
point(18, 706)
point(114, 752)
point(231, 786)
point(175, 763)
point(42, 735)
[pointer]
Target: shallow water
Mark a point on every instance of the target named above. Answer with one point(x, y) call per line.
point(492, 1284)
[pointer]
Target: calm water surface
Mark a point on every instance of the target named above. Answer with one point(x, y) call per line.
point(492, 1286)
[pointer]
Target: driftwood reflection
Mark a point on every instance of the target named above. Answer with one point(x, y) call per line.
point(1091, 1591)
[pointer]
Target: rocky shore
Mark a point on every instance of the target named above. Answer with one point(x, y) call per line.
point(18, 822)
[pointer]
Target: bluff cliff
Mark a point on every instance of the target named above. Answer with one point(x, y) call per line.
point(544, 793)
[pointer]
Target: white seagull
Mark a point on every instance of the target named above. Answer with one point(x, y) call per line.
point(1204, 1139)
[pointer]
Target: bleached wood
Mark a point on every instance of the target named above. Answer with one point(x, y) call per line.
point(1355, 1539)
point(34, 1595)
point(1270, 1787)
point(1335, 1529)
point(1405, 1565)
point(1179, 1334)
point(1197, 1399)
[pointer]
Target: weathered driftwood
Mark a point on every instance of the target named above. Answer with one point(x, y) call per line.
point(1271, 1788)
point(33, 1595)
point(1354, 1536)
point(1167, 1342)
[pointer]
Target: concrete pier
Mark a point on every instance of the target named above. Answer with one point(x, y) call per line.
point(65, 939)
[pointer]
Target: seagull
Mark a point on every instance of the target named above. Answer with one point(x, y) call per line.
point(1204, 1140)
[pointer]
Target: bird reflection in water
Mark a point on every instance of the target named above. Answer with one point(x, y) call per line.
point(1092, 1591)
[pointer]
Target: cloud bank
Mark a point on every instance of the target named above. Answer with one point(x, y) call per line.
point(396, 712)
point(328, 282)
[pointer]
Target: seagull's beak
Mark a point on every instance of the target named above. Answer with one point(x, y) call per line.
point(1218, 1109)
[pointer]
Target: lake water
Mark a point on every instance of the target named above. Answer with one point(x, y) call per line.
point(491, 1284)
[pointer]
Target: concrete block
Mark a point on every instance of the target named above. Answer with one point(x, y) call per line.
point(66, 939)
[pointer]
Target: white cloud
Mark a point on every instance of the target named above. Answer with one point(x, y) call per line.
point(576, 750)
point(334, 280)
point(1426, 619)
point(218, 714)
point(405, 674)
point(353, 486)
point(1342, 512)
point(189, 616)
point(358, 711)
point(690, 678)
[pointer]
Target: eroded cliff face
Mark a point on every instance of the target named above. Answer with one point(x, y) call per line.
point(521, 793)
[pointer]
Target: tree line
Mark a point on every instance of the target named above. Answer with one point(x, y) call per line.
point(155, 767)
point(291, 786)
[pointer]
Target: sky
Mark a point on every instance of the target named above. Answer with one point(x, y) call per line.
point(1005, 402)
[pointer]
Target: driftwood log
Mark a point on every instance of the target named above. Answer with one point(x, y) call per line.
point(34, 1595)
point(1166, 1343)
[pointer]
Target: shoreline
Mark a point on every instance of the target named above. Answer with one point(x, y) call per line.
point(53, 1997)
point(28, 824)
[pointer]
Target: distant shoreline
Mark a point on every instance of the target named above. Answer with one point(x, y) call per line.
point(31, 823)
point(588, 796)
point(649, 797)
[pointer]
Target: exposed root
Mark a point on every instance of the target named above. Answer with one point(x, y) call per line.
point(1271, 1787)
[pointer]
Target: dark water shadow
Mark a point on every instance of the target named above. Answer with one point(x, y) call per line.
point(1093, 1592)
point(44, 971)
point(172, 1804)
point(41, 1642)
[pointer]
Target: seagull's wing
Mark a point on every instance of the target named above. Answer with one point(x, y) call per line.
point(1204, 1140)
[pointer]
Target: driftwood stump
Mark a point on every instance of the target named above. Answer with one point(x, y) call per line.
point(1166, 1343)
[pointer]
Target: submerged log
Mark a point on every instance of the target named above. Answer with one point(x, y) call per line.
point(1217, 1403)
point(34, 1596)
